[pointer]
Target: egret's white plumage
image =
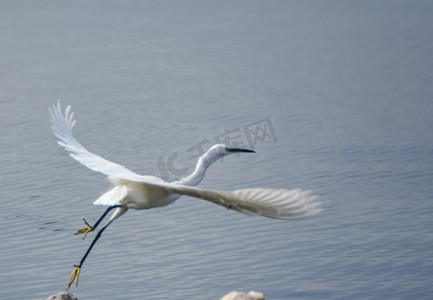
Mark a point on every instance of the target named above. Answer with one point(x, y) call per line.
point(144, 192)
point(131, 190)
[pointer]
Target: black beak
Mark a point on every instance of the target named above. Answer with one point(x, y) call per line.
point(236, 150)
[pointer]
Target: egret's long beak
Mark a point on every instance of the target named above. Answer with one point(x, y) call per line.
point(236, 150)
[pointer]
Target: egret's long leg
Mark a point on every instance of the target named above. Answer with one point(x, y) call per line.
point(86, 230)
point(76, 272)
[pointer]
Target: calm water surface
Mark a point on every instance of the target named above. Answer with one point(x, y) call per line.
point(335, 97)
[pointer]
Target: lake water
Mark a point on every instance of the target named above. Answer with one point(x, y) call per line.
point(335, 96)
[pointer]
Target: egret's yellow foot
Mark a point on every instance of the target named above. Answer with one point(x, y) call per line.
point(85, 230)
point(74, 276)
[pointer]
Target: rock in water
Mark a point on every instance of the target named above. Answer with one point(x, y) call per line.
point(61, 296)
point(242, 296)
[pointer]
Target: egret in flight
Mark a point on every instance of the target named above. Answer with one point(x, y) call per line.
point(130, 190)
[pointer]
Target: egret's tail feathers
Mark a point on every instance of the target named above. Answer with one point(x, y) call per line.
point(271, 203)
point(113, 197)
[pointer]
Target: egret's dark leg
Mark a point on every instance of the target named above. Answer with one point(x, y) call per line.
point(98, 235)
point(75, 274)
point(89, 227)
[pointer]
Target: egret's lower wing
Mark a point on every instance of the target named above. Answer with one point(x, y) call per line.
point(271, 203)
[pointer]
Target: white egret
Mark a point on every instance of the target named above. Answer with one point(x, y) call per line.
point(130, 190)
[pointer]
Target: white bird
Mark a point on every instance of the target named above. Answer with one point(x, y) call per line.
point(130, 190)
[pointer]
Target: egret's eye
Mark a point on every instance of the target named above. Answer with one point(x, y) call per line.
point(227, 149)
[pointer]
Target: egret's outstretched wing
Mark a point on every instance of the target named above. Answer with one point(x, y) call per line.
point(62, 125)
point(278, 204)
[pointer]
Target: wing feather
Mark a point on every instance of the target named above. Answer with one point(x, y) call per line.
point(271, 203)
point(62, 125)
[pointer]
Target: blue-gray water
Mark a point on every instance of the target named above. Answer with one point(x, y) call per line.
point(335, 96)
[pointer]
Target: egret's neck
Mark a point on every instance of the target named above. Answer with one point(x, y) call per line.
point(200, 169)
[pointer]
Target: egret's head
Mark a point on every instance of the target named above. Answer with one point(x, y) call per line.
point(222, 150)
point(215, 153)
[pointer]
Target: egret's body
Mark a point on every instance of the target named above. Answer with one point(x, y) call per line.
point(132, 191)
